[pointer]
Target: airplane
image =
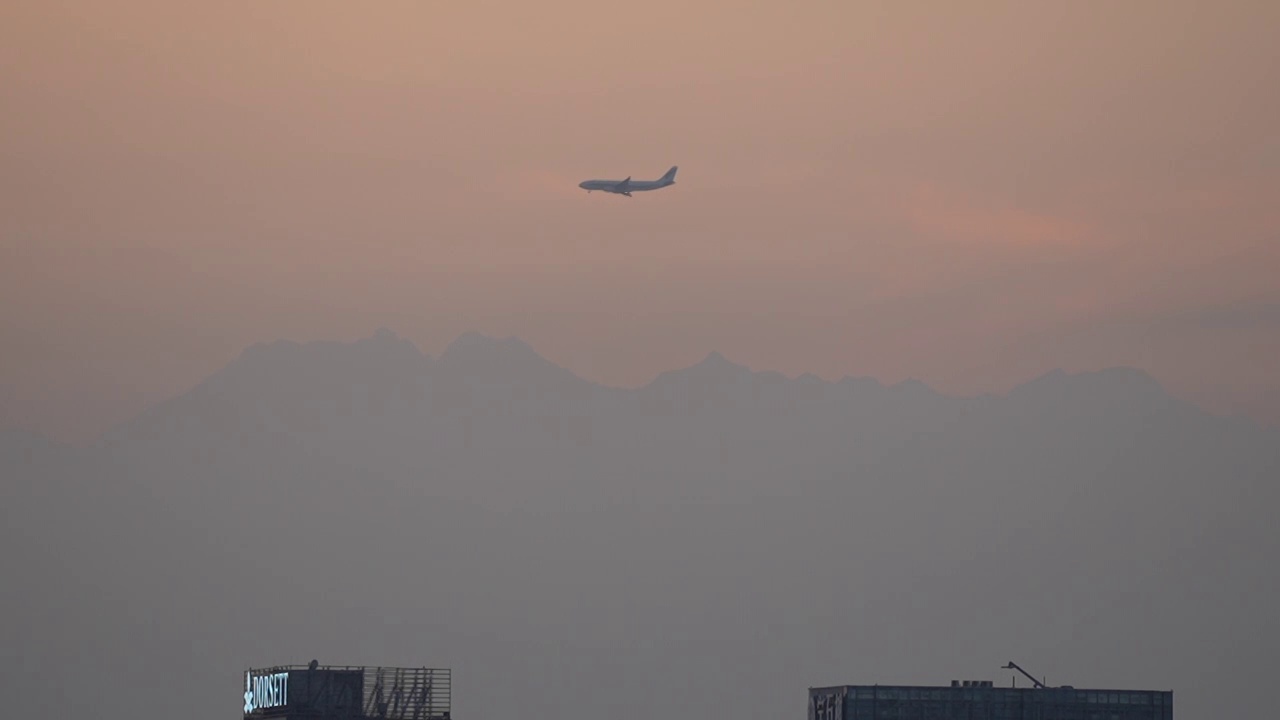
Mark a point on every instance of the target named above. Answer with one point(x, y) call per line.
point(628, 186)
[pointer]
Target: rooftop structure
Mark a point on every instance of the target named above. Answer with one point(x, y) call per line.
point(982, 700)
point(323, 692)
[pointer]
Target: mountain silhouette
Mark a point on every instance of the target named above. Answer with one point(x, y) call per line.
point(666, 549)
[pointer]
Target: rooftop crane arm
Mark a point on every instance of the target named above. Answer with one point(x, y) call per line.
point(1014, 666)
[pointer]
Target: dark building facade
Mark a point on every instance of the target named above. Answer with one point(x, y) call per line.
point(316, 692)
point(981, 700)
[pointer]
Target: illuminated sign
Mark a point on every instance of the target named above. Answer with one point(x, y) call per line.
point(265, 691)
point(829, 706)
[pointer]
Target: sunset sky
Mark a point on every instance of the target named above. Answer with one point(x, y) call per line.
point(967, 193)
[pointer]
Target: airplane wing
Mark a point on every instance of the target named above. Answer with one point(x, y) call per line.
point(624, 186)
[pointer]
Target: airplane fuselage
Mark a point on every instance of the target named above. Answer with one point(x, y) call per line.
point(633, 186)
point(628, 186)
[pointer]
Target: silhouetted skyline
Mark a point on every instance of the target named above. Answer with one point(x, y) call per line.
point(710, 544)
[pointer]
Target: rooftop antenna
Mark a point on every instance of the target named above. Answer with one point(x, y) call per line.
point(1014, 666)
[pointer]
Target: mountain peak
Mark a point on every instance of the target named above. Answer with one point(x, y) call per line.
point(1127, 380)
point(715, 369)
point(714, 359)
point(472, 345)
point(1110, 388)
point(283, 355)
point(383, 336)
point(917, 389)
point(860, 381)
point(505, 360)
point(386, 341)
point(717, 362)
point(714, 365)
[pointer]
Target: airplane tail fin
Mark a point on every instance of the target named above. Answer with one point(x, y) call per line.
point(671, 174)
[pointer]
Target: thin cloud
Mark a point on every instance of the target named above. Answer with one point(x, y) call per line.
point(953, 216)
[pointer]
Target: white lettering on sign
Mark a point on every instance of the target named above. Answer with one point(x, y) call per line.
point(828, 706)
point(265, 691)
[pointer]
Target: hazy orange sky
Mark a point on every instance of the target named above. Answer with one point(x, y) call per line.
point(968, 193)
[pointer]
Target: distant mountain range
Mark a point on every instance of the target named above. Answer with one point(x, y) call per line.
point(711, 543)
